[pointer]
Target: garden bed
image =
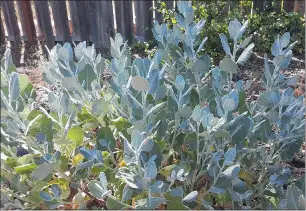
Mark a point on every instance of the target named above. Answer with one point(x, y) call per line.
point(34, 61)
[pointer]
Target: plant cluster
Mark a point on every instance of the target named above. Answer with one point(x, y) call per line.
point(170, 131)
point(263, 24)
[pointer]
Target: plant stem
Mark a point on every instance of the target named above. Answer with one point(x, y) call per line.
point(198, 146)
point(228, 82)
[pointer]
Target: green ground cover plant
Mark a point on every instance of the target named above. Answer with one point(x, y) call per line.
point(170, 131)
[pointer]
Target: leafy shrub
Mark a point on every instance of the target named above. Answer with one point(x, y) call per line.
point(270, 22)
point(169, 130)
point(263, 25)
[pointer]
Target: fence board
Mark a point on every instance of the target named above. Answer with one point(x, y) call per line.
point(277, 6)
point(80, 24)
point(288, 5)
point(27, 20)
point(106, 22)
point(60, 16)
point(144, 19)
point(2, 35)
point(44, 22)
point(226, 8)
point(233, 4)
point(299, 6)
point(267, 3)
point(158, 15)
point(11, 23)
point(258, 6)
point(124, 19)
point(93, 18)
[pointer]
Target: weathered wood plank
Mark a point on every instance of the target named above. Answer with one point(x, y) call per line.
point(299, 6)
point(124, 19)
point(226, 8)
point(233, 4)
point(74, 18)
point(288, 5)
point(258, 6)
point(2, 35)
point(44, 22)
point(277, 6)
point(11, 23)
point(93, 16)
point(27, 21)
point(106, 23)
point(79, 18)
point(60, 16)
point(144, 17)
point(83, 20)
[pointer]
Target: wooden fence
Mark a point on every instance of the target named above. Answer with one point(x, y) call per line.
point(53, 21)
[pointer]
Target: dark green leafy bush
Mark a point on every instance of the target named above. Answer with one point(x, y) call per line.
point(262, 25)
point(269, 23)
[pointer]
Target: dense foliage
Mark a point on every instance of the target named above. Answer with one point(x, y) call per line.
point(263, 25)
point(171, 131)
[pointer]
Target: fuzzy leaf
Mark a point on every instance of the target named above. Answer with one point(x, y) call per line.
point(232, 171)
point(228, 65)
point(225, 45)
point(245, 54)
point(14, 89)
point(293, 198)
point(140, 84)
point(191, 196)
point(43, 171)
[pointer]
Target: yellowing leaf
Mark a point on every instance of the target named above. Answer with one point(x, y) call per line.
point(246, 176)
point(23, 82)
point(122, 163)
point(212, 148)
point(76, 134)
point(77, 159)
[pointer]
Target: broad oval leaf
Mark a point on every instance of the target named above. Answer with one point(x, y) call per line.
point(45, 196)
point(63, 54)
point(140, 83)
point(230, 155)
point(151, 171)
point(23, 82)
point(146, 145)
point(228, 65)
point(103, 180)
point(179, 83)
point(137, 139)
point(96, 189)
point(229, 104)
point(43, 171)
point(284, 40)
point(232, 171)
point(269, 98)
point(191, 197)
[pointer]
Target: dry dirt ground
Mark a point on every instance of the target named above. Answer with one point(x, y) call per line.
point(31, 62)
